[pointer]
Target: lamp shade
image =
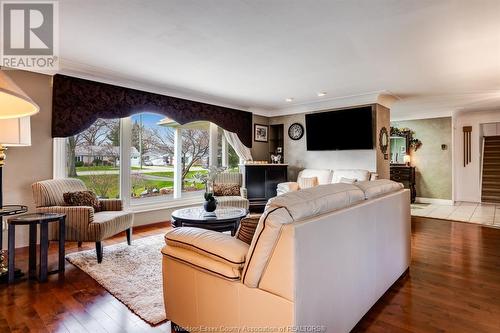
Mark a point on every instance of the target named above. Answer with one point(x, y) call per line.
point(407, 159)
point(14, 102)
point(15, 132)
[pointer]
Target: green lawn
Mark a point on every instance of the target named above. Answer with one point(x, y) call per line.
point(108, 185)
point(102, 168)
point(170, 174)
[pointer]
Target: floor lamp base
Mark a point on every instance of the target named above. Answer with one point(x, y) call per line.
point(4, 276)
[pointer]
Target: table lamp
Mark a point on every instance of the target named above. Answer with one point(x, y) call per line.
point(15, 109)
point(14, 102)
point(407, 160)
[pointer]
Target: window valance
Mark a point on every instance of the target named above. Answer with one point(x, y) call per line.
point(78, 103)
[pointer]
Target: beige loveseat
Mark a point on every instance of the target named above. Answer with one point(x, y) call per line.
point(83, 224)
point(319, 259)
point(326, 176)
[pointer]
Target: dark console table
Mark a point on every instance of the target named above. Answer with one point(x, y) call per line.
point(406, 175)
point(261, 181)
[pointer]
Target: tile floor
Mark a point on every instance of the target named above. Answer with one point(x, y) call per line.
point(487, 214)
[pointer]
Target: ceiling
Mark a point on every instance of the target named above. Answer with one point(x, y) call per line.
point(432, 57)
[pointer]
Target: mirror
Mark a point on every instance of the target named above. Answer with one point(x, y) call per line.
point(398, 149)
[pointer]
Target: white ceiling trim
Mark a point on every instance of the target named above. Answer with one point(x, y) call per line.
point(383, 97)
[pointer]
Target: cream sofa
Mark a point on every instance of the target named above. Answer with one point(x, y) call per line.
point(327, 176)
point(320, 258)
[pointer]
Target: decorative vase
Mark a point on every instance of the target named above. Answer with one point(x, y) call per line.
point(210, 205)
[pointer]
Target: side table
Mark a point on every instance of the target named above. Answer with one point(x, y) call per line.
point(32, 220)
point(8, 210)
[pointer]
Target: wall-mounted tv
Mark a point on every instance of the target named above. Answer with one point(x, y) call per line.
point(346, 129)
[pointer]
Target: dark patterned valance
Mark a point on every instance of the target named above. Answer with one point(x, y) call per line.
point(78, 103)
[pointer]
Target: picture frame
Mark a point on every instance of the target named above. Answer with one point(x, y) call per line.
point(261, 133)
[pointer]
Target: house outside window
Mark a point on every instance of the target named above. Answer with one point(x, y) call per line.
point(151, 174)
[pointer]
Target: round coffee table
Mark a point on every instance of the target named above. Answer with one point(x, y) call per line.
point(224, 219)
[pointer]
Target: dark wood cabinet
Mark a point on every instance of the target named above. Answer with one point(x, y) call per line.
point(406, 175)
point(261, 181)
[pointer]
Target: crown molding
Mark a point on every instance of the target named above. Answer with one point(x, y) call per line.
point(383, 97)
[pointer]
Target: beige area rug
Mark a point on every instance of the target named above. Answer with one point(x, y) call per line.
point(130, 273)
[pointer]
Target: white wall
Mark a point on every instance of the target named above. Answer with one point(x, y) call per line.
point(467, 180)
point(298, 157)
point(26, 165)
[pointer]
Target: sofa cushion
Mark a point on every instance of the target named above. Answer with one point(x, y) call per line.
point(378, 187)
point(226, 189)
point(215, 245)
point(307, 182)
point(202, 262)
point(359, 175)
point(263, 243)
point(317, 200)
point(347, 180)
point(324, 175)
point(247, 228)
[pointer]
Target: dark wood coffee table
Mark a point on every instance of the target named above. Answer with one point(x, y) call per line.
point(224, 219)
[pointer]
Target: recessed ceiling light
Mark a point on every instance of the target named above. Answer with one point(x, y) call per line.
point(321, 94)
point(289, 99)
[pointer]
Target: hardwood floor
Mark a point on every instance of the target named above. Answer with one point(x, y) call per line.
point(453, 285)
point(70, 303)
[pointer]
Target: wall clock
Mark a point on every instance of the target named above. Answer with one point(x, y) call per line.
point(295, 131)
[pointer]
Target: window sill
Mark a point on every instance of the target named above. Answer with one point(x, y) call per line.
point(148, 205)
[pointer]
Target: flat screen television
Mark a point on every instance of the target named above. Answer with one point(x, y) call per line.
point(347, 129)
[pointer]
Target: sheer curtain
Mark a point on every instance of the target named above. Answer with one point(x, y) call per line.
point(243, 151)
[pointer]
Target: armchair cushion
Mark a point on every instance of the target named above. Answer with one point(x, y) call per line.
point(108, 223)
point(82, 198)
point(217, 246)
point(232, 201)
point(226, 189)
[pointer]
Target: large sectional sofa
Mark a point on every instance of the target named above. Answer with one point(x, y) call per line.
point(319, 259)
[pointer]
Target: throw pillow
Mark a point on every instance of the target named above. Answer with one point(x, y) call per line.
point(347, 180)
point(228, 189)
point(307, 182)
point(247, 228)
point(82, 198)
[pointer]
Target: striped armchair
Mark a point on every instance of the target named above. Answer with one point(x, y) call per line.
point(240, 201)
point(83, 224)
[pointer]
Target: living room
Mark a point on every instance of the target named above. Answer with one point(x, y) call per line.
point(190, 166)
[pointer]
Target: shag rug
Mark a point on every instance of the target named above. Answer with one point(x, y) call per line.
point(130, 273)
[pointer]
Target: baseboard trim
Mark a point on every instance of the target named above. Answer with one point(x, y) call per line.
point(443, 202)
